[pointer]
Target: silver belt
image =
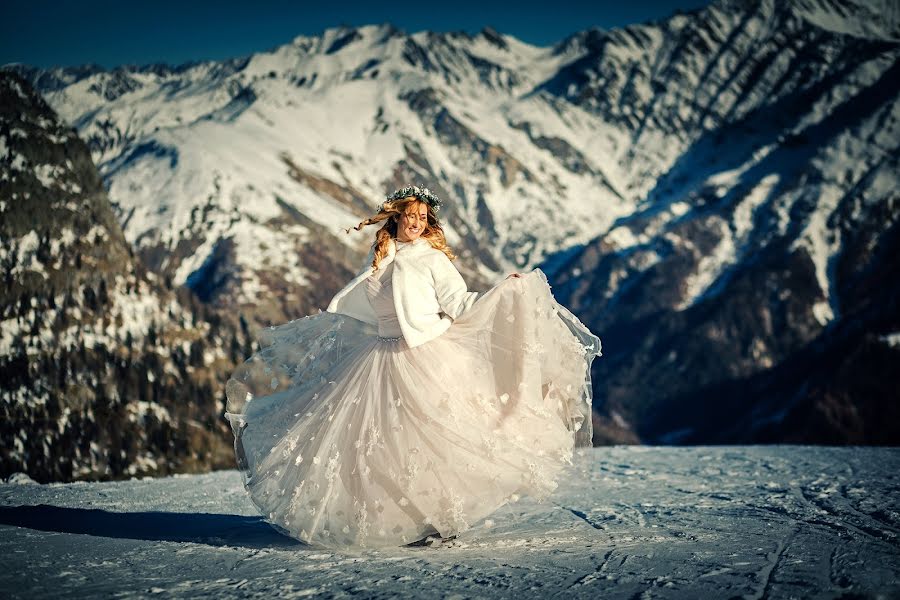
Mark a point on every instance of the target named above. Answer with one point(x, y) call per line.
point(390, 339)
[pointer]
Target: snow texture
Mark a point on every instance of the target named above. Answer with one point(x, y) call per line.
point(631, 522)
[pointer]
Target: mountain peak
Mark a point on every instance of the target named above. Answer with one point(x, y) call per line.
point(579, 41)
point(494, 37)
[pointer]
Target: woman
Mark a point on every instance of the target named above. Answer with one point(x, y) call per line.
point(412, 407)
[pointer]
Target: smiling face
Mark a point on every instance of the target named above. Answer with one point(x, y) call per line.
point(412, 223)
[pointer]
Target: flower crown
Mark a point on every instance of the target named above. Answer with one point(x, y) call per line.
point(413, 190)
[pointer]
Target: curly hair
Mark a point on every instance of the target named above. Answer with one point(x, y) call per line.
point(390, 212)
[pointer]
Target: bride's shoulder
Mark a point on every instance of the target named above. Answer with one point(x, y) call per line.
point(434, 254)
point(425, 257)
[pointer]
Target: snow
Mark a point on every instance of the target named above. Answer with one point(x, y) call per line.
point(24, 255)
point(134, 313)
point(265, 248)
point(18, 163)
point(822, 312)
point(629, 522)
point(48, 175)
point(878, 19)
point(823, 244)
point(891, 339)
point(58, 138)
point(65, 239)
point(623, 237)
point(18, 89)
point(710, 265)
point(9, 330)
point(745, 211)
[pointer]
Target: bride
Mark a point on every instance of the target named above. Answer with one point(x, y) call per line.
point(412, 407)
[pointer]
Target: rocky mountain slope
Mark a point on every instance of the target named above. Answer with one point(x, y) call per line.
point(753, 294)
point(106, 370)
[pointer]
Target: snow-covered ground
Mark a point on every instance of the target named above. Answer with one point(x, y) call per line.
point(630, 522)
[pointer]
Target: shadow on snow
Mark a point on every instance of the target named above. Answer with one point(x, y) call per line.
point(200, 528)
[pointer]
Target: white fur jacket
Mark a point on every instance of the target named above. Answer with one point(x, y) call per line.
point(429, 292)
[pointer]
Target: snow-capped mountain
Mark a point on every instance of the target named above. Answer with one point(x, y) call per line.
point(708, 192)
point(226, 175)
point(755, 285)
point(105, 371)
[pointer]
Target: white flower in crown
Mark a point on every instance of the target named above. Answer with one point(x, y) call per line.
point(414, 190)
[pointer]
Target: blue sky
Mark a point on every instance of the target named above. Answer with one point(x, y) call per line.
point(44, 34)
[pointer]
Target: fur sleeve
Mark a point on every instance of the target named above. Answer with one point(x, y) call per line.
point(450, 288)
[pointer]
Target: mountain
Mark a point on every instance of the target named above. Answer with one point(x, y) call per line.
point(235, 178)
point(753, 293)
point(712, 193)
point(106, 370)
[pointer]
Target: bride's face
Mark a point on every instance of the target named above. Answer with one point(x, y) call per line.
point(411, 224)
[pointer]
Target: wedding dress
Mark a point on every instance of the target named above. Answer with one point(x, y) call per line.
point(347, 437)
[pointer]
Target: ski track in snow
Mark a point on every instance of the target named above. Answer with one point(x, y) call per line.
point(629, 522)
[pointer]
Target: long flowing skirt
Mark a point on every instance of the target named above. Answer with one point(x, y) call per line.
point(346, 439)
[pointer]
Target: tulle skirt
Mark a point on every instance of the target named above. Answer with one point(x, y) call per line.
point(346, 439)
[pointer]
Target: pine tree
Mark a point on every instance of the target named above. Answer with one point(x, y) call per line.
point(102, 293)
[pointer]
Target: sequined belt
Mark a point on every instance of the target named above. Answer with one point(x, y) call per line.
point(390, 339)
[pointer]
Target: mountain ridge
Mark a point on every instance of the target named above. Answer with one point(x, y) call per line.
point(106, 371)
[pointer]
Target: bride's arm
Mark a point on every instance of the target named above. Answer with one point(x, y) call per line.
point(368, 261)
point(450, 288)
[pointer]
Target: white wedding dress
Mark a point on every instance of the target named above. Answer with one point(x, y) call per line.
point(346, 437)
